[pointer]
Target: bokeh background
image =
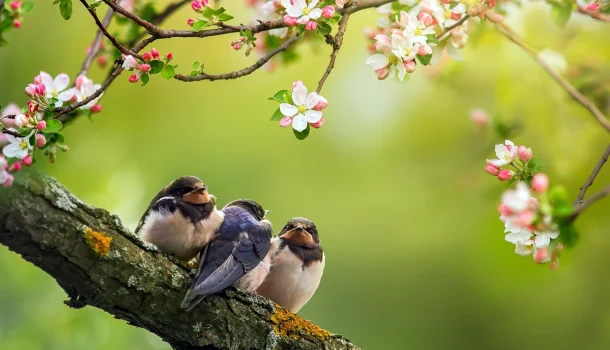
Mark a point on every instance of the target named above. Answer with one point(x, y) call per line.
point(416, 257)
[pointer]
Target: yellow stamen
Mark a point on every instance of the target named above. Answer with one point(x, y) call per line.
point(23, 145)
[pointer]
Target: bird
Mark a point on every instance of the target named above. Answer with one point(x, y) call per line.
point(181, 219)
point(234, 254)
point(297, 263)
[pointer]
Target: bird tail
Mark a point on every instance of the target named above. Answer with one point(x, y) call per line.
point(191, 299)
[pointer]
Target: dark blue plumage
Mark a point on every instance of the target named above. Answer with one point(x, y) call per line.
point(239, 245)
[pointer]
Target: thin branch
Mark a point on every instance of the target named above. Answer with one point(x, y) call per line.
point(593, 14)
point(571, 90)
point(96, 44)
point(11, 132)
point(162, 16)
point(589, 201)
point(242, 72)
point(452, 27)
point(336, 43)
point(589, 182)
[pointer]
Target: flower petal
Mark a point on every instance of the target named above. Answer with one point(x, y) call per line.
point(47, 80)
point(67, 95)
point(313, 116)
point(315, 14)
point(61, 82)
point(313, 4)
point(11, 150)
point(299, 123)
point(377, 61)
point(288, 110)
point(299, 94)
point(542, 241)
point(303, 20)
point(402, 71)
point(312, 100)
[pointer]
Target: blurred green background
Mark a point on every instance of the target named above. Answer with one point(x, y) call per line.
point(416, 257)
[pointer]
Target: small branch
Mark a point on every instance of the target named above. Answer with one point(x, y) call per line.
point(571, 90)
point(337, 41)
point(96, 44)
point(589, 201)
point(453, 26)
point(242, 72)
point(162, 16)
point(595, 15)
point(589, 182)
point(11, 132)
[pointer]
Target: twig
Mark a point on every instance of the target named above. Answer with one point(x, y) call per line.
point(595, 15)
point(336, 43)
point(453, 26)
point(587, 203)
point(589, 182)
point(96, 44)
point(571, 90)
point(242, 72)
point(162, 16)
point(11, 132)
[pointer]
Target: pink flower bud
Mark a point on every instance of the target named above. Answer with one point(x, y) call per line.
point(524, 153)
point(196, 5)
point(21, 120)
point(492, 169)
point(424, 50)
point(410, 66)
point(593, 7)
point(146, 56)
point(16, 167)
point(30, 90)
point(15, 5)
point(456, 16)
point(205, 2)
point(40, 140)
point(286, 121)
point(236, 47)
point(525, 218)
point(41, 125)
point(328, 11)
point(154, 53)
point(540, 183)
point(190, 22)
point(134, 78)
point(79, 81)
point(505, 210)
point(541, 255)
point(311, 25)
point(16, 24)
point(32, 107)
point(479, 117)
point(318, 124)
point(297, 83)
point(425, 18)
point(102, 61)
point(27, 161)
point(382, 73)
point(505, 175)
point(41, 89)
point(96, 108)
point(446, 2)
point(144, 67)
point(290, 21)
point(169, 56)
point(9, 181)
point(321, 104)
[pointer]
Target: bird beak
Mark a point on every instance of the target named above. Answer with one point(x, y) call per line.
point(266, 212)
point(197, 196)
point(299, 236)
point(213, 199)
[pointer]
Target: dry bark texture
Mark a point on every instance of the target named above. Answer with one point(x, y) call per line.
point(98, 262)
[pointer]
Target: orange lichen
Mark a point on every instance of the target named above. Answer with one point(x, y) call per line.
point(99, 242)
point(287, 324)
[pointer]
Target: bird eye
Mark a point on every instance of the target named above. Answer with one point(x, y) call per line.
point(310, 230)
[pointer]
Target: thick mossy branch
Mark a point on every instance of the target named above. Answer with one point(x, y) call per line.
point(98, 262)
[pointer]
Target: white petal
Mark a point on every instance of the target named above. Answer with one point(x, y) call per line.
point(10, 138)
point(288, 110)
point(313, 116)
point(286, 3)
point(460, 8)
point(47, 80)
point(299, 123)
point(11, 150)
point(294, 11)
point(61, 82)
point(67, 95)
point(303, 20)
point(392, 72)
point(313, 4)
point(299, 94)
point(315, 14)
point(402, 71)
point(454, 53)
point(542, 241)
point(377, 61)
point(501, 151)
point(312, 100)
point(3, 176)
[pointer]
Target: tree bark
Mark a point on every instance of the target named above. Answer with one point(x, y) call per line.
point(98, 262)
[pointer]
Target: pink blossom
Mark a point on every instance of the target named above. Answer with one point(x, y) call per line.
point(146, 56)
point(524, 153)
point(16, 167)
point(40, 140)
point(311, 25)
point(328, 11)
point(145, 67)
point(169, 56)
point(96, 108)
point(318, 124)
point(30, 90)
point(17, 24)
point(236, 47)
point(410, 66)
point(492, 169)
point(382, 73)
point(424, 50)
point(40, 89)
point(593, 7)
point(479, 117)
point(285, 122)
point(22, 120)
point(290, 21)
point(297, 83)
point(425, 18)
point(505, 175)
point(541, 255)
point(341, 3)
point(41, 125)
point(540, 182)
point(189, 22)
point(27, 160)
point(154, 53)
point(102, 61)
point(32, 106)
point(196, 5)
point(321, 105)
point(9, 180)
point(525, 218)
point(16, 5)
point(134, 78)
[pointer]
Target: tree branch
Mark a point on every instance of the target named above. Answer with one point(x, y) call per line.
point(589, 182)
point(571, 90)
point(242, 72)
point(589, 201)
point(453, 26)
point(595, 15)
point(99, 263)
point(95, 46)
point(336, 42)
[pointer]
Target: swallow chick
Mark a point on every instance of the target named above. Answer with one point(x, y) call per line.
point(181, 219)
point(297, 263)
point(233, 256)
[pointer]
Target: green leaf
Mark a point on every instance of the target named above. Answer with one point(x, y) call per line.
point(95, 5)
point(208, 12)
point(196, 65)
point(279, 96)
point(302, 135)
point(53, 125)
point(3, 42)
point(536, 165)
point(276, 116)
point(168, 72)
point(27, 7)
point(54, 2)
point(567, 233)
point(199, 25)
point(324, 28)
point(194, 73)
point(425, 60)
point(65, 8)
point(219, 11)
point(224, 17)
point(145, 78)
point(7, 23)
point(561, 11)
point(156, 66)
point(148, 12)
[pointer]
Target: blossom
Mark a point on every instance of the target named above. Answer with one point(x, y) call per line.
point(479, 117)
point(505, 175)
point(10, 109)
point(524, 153)
point(302, 108)
point(540, 182)
point(415, 30)
point(544, 238)
point(328, 11)
point(19, 147)
point(505, 152)
point(56, 88)
point(525, 247)
point(129, 62)
point(517, 200)
point(302, 10)
point(83, 89)
point(21, 120)
point(394, 54)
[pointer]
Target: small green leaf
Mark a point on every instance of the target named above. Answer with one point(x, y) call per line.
point(95, 5)
point(324, 28)
point(302, 135)
point(279, 96)
point(7, 23)
point(199, 25)
point(168, 72)
point(145, 78)
point(27, 7)
point(219, 11)
point(194, 73)
point(276, 116)
point(196, 65)
point(425, 60)
point(65, 8)
point(54, 2)
point(567, 233)
point(53, 125)
point(208, 12)
point(224, 17)
point(156, 66)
